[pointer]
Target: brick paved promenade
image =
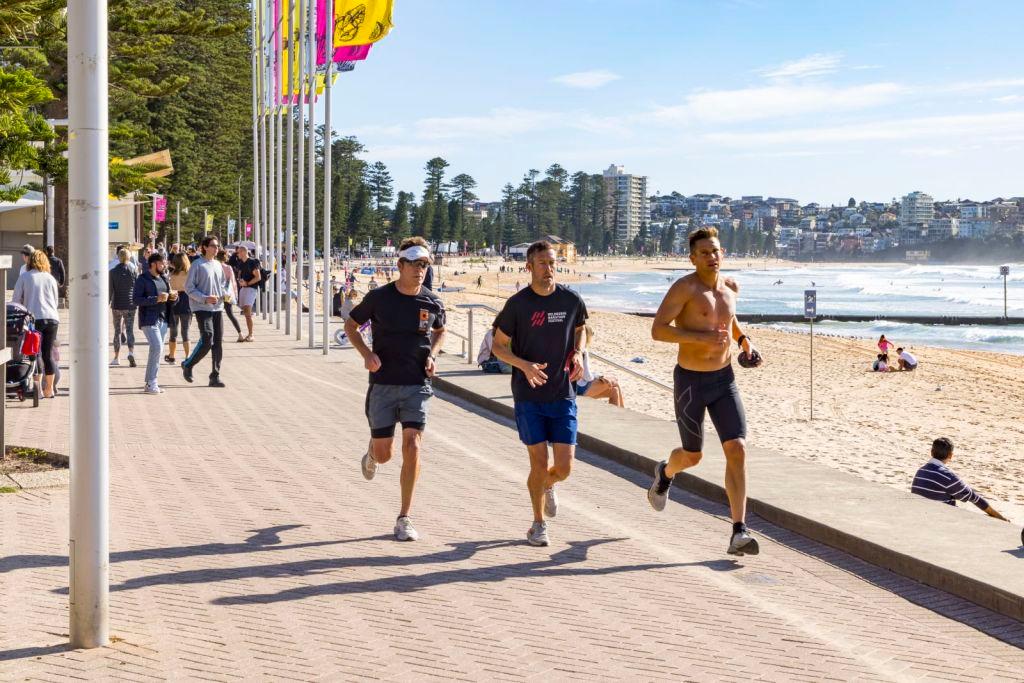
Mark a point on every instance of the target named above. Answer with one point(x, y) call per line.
point(246, 544)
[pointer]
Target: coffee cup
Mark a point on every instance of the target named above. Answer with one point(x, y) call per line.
point(227, 298)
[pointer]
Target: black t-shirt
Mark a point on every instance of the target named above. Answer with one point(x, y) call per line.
point(543, 330)
point(401, 326)
point(245, 270)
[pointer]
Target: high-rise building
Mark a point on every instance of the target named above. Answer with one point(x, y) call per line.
point(628, 205)
point(916, 212)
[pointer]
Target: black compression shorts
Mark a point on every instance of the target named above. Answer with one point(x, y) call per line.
point(714, 391)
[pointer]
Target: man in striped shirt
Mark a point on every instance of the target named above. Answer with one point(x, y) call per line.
point(936, 481)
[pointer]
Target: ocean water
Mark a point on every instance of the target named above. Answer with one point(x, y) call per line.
point(898, 290)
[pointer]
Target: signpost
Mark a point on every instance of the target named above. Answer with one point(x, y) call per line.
point(811, 312)
point(1005, 272)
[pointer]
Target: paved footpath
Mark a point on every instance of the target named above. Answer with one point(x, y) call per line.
point(246, 544)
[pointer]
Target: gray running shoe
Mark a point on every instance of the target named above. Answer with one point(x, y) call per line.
point(743, 543)
point(538, 534)
point(369, 465)
point(550, 502)
point(114, 363)
point(404, 530)
point(657, 495)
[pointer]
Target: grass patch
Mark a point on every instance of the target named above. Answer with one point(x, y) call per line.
point(8, 489)
point(27, 459)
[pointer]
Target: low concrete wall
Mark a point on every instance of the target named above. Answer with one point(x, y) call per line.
point(965, 554)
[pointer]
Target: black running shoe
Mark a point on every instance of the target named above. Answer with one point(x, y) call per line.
point(186, 372)
point(742, 543)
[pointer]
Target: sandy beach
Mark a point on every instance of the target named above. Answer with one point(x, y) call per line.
point(875, 425)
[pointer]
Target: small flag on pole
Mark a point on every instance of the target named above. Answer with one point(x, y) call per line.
point(209, 222)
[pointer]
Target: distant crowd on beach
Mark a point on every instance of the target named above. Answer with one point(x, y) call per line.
point(905, 361)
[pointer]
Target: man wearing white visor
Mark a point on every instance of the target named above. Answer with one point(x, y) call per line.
point(407, 323)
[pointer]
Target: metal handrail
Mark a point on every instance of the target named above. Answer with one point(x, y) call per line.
point(603, 359)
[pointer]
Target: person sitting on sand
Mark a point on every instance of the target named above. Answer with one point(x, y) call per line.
point(884, 345)
point(601, 386)
point(881, 363)
point(936, 481)
point(906, 360)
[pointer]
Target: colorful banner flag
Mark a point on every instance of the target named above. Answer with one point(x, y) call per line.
point(290, 25)
point(209, 222)
point(357, 24)
point(248, 228)
point(160, 208)
point(231, 227)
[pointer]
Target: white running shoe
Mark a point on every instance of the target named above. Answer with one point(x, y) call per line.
point(114, 363)
point(657, 495)
point(538, 534)
point(369, 465)
point(404, 530)
point(742, 543)
point(550, 502)
point(153, 390)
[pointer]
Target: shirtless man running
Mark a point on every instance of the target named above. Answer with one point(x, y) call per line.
point(699, 314)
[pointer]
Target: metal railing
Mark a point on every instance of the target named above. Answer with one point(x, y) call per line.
point(607, 361)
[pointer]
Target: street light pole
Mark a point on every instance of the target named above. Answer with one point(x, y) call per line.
point(289, 167)
point(177, 223)
point(300, 190)
point(88, 213)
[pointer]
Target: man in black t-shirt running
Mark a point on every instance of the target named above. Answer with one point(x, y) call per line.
point(540, 334)
point(407, 323)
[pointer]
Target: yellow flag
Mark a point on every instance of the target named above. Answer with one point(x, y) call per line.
point(358, 22)
point(291, 25)
point(209, 222)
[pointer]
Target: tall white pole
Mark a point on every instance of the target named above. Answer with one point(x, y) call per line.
point(279, 244)
point(300, 195)
point(88, 213)
point(265, 166)
point(289, 173)
point(255, 128)
point(49, 211)
point(152, 229)
point(177, 223)
point(328, 152)
point(311, 169)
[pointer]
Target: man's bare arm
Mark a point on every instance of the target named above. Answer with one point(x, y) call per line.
point(352, 332)
point(534, 372)
point(663, 328)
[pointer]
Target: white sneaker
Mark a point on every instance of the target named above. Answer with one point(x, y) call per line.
point(550, 502)
point(369, 465)
point(404, 530)
point(114, 363)
point(538, 534)
point(153, 390)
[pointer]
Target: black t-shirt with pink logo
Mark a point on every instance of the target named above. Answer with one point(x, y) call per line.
point(543, 330)
point(401, 326)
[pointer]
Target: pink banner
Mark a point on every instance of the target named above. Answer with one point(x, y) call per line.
point(346, 53)
point(248, 228)
point(160, 208)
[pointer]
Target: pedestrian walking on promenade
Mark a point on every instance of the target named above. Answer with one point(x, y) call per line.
point(229, 277)
point(699, 314)
point(248, 273)
point(36, 290)
point(208, 292)
point(407, 322)
point(152, 296)
point(540, 334)
point(122, 307)
point(181, 309)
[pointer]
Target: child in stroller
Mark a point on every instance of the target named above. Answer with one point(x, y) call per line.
point(20, 377)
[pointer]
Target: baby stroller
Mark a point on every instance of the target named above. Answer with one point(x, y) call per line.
point(21, 369)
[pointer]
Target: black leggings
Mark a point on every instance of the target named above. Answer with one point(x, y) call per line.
point(179, 322)
point(231, 316)
point(48, 328)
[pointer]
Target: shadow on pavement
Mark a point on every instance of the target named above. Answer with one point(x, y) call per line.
point(557, 564)
point(29, 652)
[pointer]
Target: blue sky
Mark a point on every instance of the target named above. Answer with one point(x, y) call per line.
point(813, 100)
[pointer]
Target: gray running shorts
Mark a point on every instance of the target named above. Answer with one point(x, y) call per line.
point(387, 404)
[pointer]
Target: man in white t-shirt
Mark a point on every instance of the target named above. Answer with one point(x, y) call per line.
point(906, 360)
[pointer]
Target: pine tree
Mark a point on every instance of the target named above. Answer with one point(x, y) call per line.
point(461, 187)
point(381, 192)
point(400, 217)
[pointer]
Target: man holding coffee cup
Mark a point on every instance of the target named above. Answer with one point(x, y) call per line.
point(152, 294)
point(207, 291)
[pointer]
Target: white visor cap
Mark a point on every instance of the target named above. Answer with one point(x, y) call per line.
point(415, 253)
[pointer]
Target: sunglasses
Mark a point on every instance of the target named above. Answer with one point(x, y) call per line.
point(422, 265)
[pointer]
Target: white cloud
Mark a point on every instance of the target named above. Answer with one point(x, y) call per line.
point(964, 127)
point(1008, 99)
point(817, 64)
point(588, 80)
point(395, 152)
point(776, 101)
point(377, 129)
point(499, 123)
point(981, 86)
